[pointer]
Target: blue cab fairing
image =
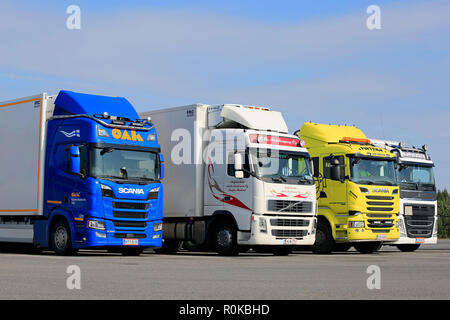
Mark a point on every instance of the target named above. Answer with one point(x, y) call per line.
point(110, 203)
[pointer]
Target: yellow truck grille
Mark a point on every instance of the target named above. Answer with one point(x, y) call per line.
point(380, 203)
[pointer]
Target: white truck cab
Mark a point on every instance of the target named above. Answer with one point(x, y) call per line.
point(235, 179)
point(418, 196)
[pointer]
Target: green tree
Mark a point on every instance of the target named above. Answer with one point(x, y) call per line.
point(444, 214)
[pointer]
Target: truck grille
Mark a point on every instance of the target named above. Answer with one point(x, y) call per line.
point(380, 223)
point(379, 198)
point(382, 203)
point(130, 205)
point(130, 224)
point(421, 222)
point(290, 206)
point(130, 215)
point(379, 215)
point(421, 210)
point(289, 233)
point(130, 235)
point(289, 223)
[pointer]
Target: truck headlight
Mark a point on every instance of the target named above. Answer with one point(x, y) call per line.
point(97, 225)
point(157, 227)
point(153, 194)
point(107, 191)
point(262, 225)
point(356, 224)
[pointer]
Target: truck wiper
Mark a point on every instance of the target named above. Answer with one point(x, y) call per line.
point(415, 184)
point(387, 183)
point(364, 182)
point(279, 176)
point(303, 181)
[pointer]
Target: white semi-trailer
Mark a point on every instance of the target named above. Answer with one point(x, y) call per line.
point(418, 197)
point(234, 179)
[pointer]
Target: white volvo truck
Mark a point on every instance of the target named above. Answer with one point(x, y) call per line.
point(235, 179)
point(418, 197)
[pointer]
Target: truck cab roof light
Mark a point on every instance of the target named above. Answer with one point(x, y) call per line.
point(355, 140)
point(276, 140)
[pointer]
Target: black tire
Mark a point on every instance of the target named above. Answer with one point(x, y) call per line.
point(367, 247)
point(169, 247)
point(61, 238)
point(342, 247)
point(324, 239)
point(408, 247)
point(225, 239)
point(132, 251)
point(282, 250)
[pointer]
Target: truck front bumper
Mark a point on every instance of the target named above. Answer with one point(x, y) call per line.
point(364, 234)
point(280, 230)
point(111, 237)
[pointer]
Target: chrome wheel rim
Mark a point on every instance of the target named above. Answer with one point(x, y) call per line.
point(224, 238)
point(61, 237)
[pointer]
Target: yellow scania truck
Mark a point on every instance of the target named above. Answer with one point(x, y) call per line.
point(357, 190)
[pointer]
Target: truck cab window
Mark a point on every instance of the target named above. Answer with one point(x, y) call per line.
point(230, 165)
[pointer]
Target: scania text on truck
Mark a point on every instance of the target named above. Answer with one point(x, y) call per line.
point(79, 171)
point(418, 198)
point(235, 179)
point(356, 188)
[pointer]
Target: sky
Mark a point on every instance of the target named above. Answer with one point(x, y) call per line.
point(312, 60)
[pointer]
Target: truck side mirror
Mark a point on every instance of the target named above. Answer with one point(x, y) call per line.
point(238, 172)
point(161, 166)
point(336, 170)
point(75, 160)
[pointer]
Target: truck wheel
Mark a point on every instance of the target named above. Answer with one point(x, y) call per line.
point(408, 247)
point(169, 247)
point(324, 239)
point(61, 239)
point(225, 239)
point(367, 247)
point(282, 250)
point(132, 251)
point(342, 247)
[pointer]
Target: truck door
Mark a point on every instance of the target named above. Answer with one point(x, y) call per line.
point(333, 193)
point(238, 192)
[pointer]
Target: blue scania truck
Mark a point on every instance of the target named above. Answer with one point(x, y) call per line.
point(79, 171)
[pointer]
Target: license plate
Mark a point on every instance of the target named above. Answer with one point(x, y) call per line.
point(290, 241)
point(420, 240)
point(130, 242)
point(381, 237)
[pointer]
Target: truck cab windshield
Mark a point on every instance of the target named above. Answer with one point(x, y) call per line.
point(372, 171)
point(416, 177)
point(282, 166)
point(120, 164)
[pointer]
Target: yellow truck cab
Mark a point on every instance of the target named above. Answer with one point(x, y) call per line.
point(357, 190)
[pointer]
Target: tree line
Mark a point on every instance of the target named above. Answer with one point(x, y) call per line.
point(444, 214)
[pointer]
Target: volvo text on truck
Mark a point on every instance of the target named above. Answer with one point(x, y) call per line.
point(79, 171)
point(235, 179)
point(418, 197)
point(357, 189)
